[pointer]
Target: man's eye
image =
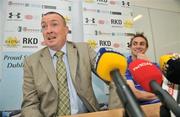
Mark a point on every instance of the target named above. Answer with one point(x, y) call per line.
point(54, 24)
point(134, 44)
point(142, 44)
point(43, 26)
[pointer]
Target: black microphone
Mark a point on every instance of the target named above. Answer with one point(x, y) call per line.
point(170, 65)
point(172, 71)
point(114, 69)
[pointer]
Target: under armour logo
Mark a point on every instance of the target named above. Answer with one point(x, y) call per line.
point(90, 20)
point(19, 29)
point(17, 15)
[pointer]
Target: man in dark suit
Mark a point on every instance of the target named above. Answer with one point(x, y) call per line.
point(40, 88)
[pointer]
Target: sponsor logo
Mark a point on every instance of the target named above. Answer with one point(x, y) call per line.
point(26, 29)
point(116, 22)
point(28, 17)
point(109, 12)
point(89, 9)
point(90, 21)
point(16, 15)
point(104, 43)
point(19, 29)
point(12, 16)
point(11, 3)
point(102, 2)
point(69, 8)
point(142, 65)
point(29, 40)
point(67, 19)
point(115, 2)
point(116, 13)
point(128, 23)
point(48, 7)
point(125, 4)
point(26, 4)
point(31, 17)
point(102, 22)
point(99, 32)
point(89, 1)
point(103, 11)
point(112, 2)
point(122, 3)
point(92, 43)
point(30, 46)
point(116, 45)
point(12, 41)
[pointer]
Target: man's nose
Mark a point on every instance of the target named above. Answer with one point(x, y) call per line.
point(48, 29)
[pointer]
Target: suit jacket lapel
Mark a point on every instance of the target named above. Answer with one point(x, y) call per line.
point(72, 59)
point(47, 65)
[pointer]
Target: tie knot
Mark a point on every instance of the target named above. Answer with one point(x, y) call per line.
point(59, 54)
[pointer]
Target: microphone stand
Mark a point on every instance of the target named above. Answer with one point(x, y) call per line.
point(132, 108)
point(178, 96)
point(164, 111)
point(165, 98)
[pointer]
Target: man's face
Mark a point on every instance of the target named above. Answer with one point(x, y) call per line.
point(138, 46)
point(54, 31)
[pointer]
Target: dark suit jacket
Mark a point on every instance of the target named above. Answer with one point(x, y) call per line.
point(40, 96)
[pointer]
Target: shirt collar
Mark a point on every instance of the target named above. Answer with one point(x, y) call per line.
point(129, 59)
point(63, 49)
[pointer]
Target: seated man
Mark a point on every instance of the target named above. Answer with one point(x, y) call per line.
point(138, 46)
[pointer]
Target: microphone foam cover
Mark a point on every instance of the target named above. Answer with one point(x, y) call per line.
point(173, 71)
point(144, 72)
point(163, 60)
point(108, 60)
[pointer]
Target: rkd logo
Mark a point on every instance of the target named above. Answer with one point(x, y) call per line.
point(116, 21)
point(104, 43)
point(30, 40)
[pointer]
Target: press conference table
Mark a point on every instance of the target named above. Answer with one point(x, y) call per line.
point(151, 110)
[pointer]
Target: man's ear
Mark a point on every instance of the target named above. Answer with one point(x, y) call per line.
point(67, 29)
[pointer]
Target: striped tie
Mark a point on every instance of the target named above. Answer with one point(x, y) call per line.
point(63, 107)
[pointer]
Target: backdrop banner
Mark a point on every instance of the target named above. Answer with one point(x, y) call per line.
point(21, 36)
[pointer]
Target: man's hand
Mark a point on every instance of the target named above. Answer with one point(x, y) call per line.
point(142, 56)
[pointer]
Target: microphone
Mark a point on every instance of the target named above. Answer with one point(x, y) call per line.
point(150, 78)
point(111, 65)
point(144, 72)
point(170, 65)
